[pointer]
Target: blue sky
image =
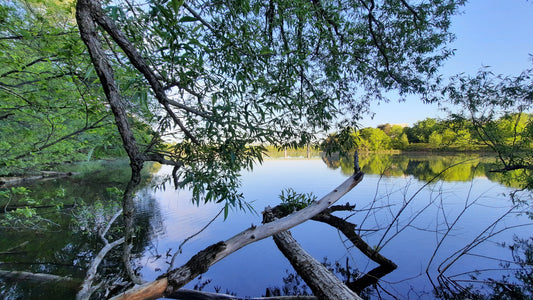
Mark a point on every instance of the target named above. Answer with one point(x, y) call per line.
point(495, 33)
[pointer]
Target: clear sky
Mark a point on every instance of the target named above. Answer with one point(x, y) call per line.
point(495, 33)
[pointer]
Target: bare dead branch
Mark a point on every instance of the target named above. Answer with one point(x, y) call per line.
point(200, 263)
point(323, 283)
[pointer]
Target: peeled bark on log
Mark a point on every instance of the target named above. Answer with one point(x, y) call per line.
point(200, 263)
point(323, 283)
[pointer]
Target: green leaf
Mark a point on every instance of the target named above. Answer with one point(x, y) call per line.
point(226, 211)
point(176, 4)
point(185, 19)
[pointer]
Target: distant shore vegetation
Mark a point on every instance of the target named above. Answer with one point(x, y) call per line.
point(452, 134)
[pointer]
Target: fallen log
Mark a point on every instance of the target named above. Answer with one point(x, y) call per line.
point(43, 175)
point(66, 282)
point(5, 209)
point(173, 280)
point(323, 283)
point(12, 249)
point(348, 229)
point(201, 295)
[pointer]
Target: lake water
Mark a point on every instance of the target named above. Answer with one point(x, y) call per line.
point(431, 224)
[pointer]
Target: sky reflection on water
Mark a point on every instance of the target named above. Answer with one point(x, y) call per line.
point(252, 269)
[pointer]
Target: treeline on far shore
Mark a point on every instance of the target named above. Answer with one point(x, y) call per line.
point(453, 134)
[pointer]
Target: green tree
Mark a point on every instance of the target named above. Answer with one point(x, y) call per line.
point(401, 142)
point(50, 107)
point(497, 108)
point(342, 142)
point(435, 139)
point(397, 134)
point(226, 77)
point(373, 139)
point(421, 130)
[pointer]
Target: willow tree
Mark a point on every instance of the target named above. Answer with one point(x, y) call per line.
point(231, 76)
point(225, 78)
point(51, 109)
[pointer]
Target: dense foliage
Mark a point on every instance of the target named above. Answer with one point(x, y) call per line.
point(227, 78)
point(51, 107)
point(453, 134)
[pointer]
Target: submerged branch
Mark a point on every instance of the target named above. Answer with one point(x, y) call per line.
point(323, 283)
point(348, 229)
point(87, 287)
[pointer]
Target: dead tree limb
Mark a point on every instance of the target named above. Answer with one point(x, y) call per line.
point(67, 282)
point(348, 229)
point(323, 283)
point(200, 263)
point(87, 287)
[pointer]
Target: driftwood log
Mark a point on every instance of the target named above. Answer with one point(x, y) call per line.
point(323, 283)
point(43, 175)
point(307, 267)
point(348, 229)
point(173, 280)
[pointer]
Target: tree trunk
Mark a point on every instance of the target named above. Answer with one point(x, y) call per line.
point(323, 283)
point(348, 229)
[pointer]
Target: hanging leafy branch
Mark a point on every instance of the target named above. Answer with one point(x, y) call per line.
point(50, 110)
point(224, 79)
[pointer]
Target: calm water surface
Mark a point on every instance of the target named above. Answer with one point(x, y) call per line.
point(461, 209)
point(427, 211)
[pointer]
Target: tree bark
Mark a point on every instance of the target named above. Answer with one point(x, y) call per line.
point(323, 283)
point(348, 229)
point(106, 75)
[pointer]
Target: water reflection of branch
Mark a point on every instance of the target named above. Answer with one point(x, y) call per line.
point(129, 227)
point(451, 282)
point(449, 226)
point(190, 237)
point(87, 287)
point(478, 240)
point(381, 242)
point(370, 209)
